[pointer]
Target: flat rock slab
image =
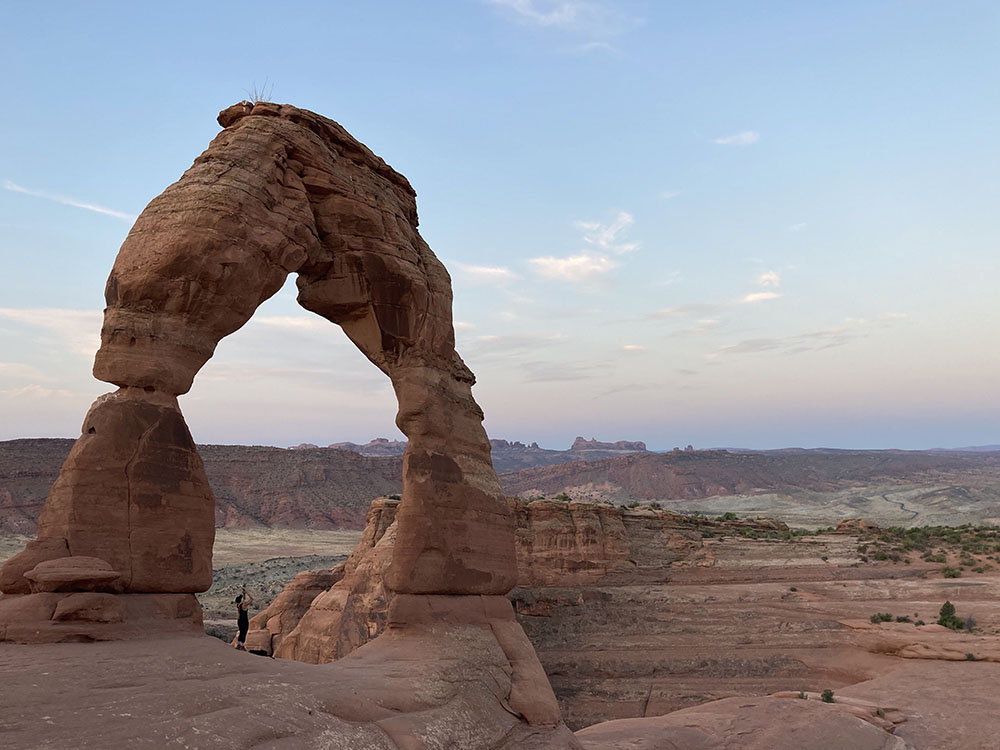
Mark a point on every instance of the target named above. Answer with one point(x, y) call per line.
point(948, 703)
point(172, 692)
point(76, 573)
point(746, 723)
point(197, 692)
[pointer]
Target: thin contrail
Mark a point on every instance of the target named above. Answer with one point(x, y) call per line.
point(8, 185)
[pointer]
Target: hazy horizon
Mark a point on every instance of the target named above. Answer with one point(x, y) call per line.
point(566, 446)
point(706, 223)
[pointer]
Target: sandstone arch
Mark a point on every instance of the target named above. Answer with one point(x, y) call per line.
point(279, 191)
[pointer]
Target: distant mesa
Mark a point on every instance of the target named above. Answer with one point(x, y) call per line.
point(385, 447)
point(513, 444)
point(629, 446)
point(376, 447)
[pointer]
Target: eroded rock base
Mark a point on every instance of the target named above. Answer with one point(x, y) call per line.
point(77, 616)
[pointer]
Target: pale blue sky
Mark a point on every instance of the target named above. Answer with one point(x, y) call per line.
point(719, 223)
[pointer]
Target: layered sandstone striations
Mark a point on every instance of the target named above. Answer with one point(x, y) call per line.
point(322, 488)
point(809, 488)
point(558, 544)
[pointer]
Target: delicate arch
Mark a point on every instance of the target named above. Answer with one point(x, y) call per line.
point(280, 190)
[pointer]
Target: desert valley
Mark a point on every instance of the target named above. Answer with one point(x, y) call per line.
point(649, 583)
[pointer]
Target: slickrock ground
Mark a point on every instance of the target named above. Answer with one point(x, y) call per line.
point(733, 618)
point(196, 692)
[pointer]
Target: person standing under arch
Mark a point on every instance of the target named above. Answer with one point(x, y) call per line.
point(243, 602)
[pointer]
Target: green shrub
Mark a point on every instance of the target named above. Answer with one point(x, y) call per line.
point(563, 497)
point(903, 618)
point(881, 617)
point(727, 516)
point(948, 618)
point(949, 572)
point(826, 696)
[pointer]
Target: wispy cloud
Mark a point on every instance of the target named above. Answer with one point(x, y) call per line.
point(801, 226)
point(686, 310)
point(751, 345)
point(22, 371)
point(753, 297)
point(36, 392)
point(769, 278)
point(709, 325)
point(78, 330)
point(585, 17)
point(633, 348)
point(669, 279)
point(549, 372)
point(746, 138)
point(590, 47)
point(824, 338)
point(67, 201)
point(668, 194)
point(627, 388)
point(604, 237)
point(572, 268)
point(511, 343)
point(604, 240)
point(293, 322)
point(496, 275)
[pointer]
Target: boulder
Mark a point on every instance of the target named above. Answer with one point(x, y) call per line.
point(12, 580)
point(91, 607)
point(76, 573)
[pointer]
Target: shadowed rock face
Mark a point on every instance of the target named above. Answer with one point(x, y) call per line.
point(279, 191)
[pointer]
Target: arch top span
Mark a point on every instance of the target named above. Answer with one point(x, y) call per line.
point(279, 191)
